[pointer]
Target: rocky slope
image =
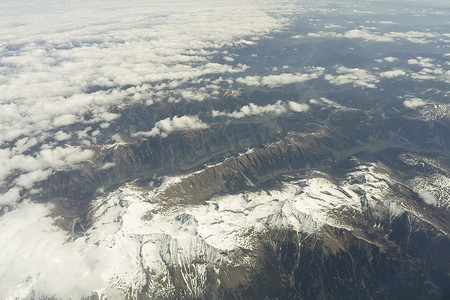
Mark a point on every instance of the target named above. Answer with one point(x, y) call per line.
point(254, 210)
point(365, 235)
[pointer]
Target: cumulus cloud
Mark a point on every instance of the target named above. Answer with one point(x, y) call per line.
point(281, 79)
point(252, 109)
point(431, 70)
point(393, 73)
point(414, 103)
point(390, 59)
point(198, 95)
point(297, 107)
point(356, 76)
point(164, 127)
point(429, 198)
point(424, 62)
point(62, 136)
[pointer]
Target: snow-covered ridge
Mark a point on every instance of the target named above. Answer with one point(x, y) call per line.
point(136, 245)
point(435, 112)
point(143, 235)
point(434, 189)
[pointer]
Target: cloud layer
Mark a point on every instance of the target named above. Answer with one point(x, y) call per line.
point(64, 65)
point(36, 258)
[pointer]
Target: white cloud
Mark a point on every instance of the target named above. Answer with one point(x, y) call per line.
point(414, 103)
point(417, 37)
point(27, 180)
point(370, 34)
point(164, 127)
point(64, 120)
point(281, 79)
point(33, 168)
point(69, 63)
point(108, 165)
point(430, 69)
point(424, 62)
point(298, 107)
point(366, 35)
point(357, 77)
point(327, 34)
point(390, 59)
point(194, 95)
point(422, 76)
point(393, 73)
point(36, 256)
point(228, 58)
point(62, 136)
point(429, 198)
point(55, 158)
point(252, 109)
point(322, 101)
point(330, 26)
point(10, 197)
point(386, 22)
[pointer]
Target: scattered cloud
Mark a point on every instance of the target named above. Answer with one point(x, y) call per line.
point(366, 35)
point(281, 79)
point(414, 103)
point(356, 76)
point(429, 198)
point(65, 70)
point(430, 69)
point(417, 37)
point(323, 101)
point(424, 62)
point(252, 109)
point(198, 95)
point(386, 22)
point(393, 73)
point(390, 59)
point(325, 34)
point(108, 165)
point(331, 26)
point(297, 107)
point(36, 167)
point(165, 127)
point(370, 34)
